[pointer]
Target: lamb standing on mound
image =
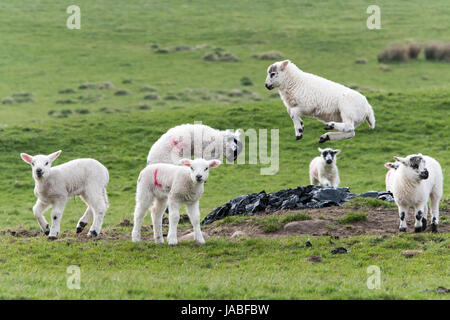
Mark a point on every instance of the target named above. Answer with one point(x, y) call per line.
point(305, 94)
point(417, 179)
point(86, 178)
point(176, 185)
point(196, 140)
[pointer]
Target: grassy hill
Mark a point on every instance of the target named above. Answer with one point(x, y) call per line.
point(137, 68)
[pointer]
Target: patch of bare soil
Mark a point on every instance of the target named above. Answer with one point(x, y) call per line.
point(380, 221)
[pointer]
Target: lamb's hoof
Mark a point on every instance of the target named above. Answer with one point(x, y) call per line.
point(81, 226)
point(47, 232)
point(298, 137)
point(329, 126)
point(417, 229)
point(323, 139)
point(93, 233)
point(424, 224)
point(52, 237)
point(402, 229)
point(434, 228)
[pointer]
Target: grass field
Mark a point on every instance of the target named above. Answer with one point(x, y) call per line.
point(122, 43)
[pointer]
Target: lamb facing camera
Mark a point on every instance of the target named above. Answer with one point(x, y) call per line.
point(86, 178)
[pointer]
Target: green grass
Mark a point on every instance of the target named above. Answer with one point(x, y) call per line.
point(352, 217)
point(40, 57)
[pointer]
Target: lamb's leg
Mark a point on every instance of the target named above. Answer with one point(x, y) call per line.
point(38, 210)
point(336, 136)
point(143, 201)
point(56, 215)
point(434, 208)
point(294, 113)
point(418, 225)
point(99, 206)
point(194, 215)
point(174, 218)
point(340, 126)
point(86, 218)
point(157, 216)
point(403, 214)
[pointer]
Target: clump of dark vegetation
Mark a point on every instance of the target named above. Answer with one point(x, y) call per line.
point(106, 86)
point(66, 91)
point(245, 81)
point(87, 85)
point(151, 97)
point(361, 61)
point(90, 98)
point(171, 97)
point(147, 89)
point(414, 50)
point(67, 101)
point(127, 81)
point(82, 111)
point(395, 53)
point(269, 55)
point(438, 52)
point(144, 107)
point(22, 97)
point(220, 55)
point(122, 92)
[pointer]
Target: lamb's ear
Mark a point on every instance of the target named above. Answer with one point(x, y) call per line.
point(337, 151)
point(320, 150)
point(185, 162)
point(238, 133)
point(401, 160)
point(26, 157)
point(214, 163)
point(389, 165)
point(54, 155)
point(284, 64)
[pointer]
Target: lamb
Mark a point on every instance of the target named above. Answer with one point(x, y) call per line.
point(417, 179)
point(305, 94)
point(323, 170)
point(175, 185)
point(196, 140)
point(392, 166)
point(86, 178)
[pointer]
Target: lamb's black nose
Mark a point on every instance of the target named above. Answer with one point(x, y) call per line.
point(329, 161)
point(39, 172)
point(424, 174)
point(270, 87)
point(198, 177)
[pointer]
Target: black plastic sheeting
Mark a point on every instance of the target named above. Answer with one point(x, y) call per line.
point(311, 197)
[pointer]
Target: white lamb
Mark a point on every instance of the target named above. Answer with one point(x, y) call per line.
point(417, 179)
point(195, 140)
point(175, 185)
point(323, 170)
point(392, 166)
point(305, 94)
point(86, 178)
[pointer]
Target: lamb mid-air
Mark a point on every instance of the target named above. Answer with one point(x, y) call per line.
point(86, 178)
point(195, 140)
point(417, 180)
point(304, 94)
point(323, 170)
point(176, 185)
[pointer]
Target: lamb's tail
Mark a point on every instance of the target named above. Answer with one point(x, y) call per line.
point(370, 117)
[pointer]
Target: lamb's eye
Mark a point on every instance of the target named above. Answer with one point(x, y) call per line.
point(272, 74)
point(415, 166)
point(46, 163)
point(32, 164)
point(206, 169)
point(192, 169)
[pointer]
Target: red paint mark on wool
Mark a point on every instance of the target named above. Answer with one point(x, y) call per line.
point(155, 180)
point(314, 173)
point(176, 143)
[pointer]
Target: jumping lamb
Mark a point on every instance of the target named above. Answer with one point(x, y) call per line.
point(86, 178)
point(323, 170)
point(195, 140)
point(417, 179)
point(392, 166)
point(305, 94)
point(175, 185)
